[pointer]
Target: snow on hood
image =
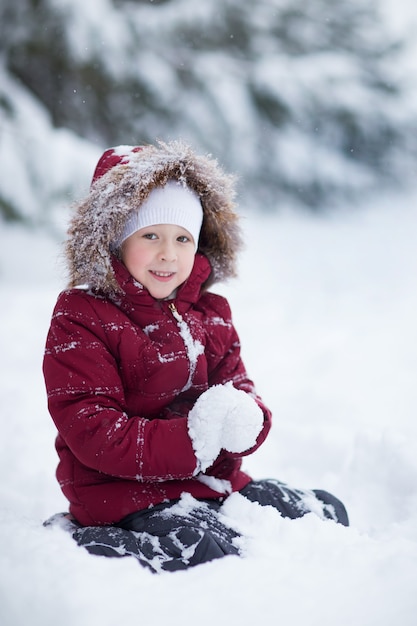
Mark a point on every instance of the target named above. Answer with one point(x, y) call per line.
point(100, 218)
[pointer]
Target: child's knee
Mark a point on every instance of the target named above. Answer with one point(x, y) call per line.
point(106, 541)
point(207, 547)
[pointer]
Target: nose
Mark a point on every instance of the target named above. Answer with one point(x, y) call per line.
point(167, 251)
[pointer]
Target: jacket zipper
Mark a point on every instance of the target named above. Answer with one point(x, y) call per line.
point(174, 312)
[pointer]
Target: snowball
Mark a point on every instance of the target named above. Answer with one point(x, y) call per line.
point(223, 417)
point(244, 420)
point(205, 423)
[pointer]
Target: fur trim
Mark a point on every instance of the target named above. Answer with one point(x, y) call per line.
point(100, 218)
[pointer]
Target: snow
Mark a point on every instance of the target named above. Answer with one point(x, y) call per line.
point(268, 91)
point(41, 158)
point(193, 347)
point(326, 309)
point(223, 418)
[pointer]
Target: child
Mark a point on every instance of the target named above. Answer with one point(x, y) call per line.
point(146, 386)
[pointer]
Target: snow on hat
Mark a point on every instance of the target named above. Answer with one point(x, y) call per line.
point(112, 157)
point(174, 203)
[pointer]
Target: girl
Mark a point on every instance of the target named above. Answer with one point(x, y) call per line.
point(145, 382)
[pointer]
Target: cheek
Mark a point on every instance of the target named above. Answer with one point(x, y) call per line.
point(189, 263)
point(133, 256)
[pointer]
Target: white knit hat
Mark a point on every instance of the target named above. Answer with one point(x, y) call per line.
point(174, 203)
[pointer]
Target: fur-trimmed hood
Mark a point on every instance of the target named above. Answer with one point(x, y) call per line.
point(120, 189)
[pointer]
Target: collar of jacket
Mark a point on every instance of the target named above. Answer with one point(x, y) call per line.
point(187, 294)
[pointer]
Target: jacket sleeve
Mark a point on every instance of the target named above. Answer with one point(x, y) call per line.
point(87, 403)
point(228, 366)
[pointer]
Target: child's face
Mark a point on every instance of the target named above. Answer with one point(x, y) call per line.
point(159, 257)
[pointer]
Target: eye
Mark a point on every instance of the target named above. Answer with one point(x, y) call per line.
point(183, 239)
point(149, 236)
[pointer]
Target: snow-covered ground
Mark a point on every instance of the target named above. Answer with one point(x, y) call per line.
point(326, 308)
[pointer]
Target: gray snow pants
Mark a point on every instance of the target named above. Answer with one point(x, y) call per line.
point(171, 537)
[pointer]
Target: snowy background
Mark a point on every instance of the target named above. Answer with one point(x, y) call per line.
point(310, 103)
point(326, 310)
point(326, 307)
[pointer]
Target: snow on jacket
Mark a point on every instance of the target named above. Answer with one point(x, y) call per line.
point(123, 369)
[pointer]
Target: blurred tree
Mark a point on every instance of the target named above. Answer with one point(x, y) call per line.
point(303, 100)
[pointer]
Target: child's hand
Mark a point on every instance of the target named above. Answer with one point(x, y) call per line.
point(223, 417)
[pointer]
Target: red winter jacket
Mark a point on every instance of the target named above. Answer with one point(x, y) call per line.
point(120, 381)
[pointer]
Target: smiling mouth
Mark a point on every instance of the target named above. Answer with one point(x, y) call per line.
point(162, 275)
